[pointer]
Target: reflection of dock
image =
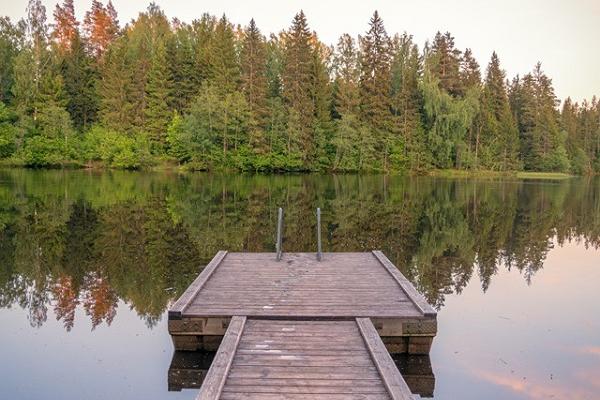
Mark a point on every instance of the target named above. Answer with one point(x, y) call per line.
point(189, 368)
point(301, 326)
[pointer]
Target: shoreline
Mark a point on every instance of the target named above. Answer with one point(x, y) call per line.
point(167, 166)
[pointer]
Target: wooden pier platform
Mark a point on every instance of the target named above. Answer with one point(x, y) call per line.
point(188, 370)
point(267, 359)
point(300, 327)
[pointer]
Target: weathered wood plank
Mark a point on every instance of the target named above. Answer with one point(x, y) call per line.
point(216, 376)
point(188, 296)
point(263, 359)
point(396, 386)
point(405, 284)
point(301, 396)
point(265, 387)
point(343, 285)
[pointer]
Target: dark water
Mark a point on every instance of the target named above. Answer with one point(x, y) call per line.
point(90, 261)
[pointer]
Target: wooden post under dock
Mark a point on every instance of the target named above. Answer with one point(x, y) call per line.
point(303, 328)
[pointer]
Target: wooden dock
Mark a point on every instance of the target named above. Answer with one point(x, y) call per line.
point(299, 327)
point(188, 370)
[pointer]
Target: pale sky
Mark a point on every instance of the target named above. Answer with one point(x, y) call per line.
point(563, 34)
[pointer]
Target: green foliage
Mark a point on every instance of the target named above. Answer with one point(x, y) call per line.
point(215, 129)
point(80, 77)
point(158, 93)
point(8, 132)
point(116, 149)
point(179, 140)
point(40, 151)
point(448, 120)
point(213, 95)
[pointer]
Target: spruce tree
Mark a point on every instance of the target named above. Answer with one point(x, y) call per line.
point(499, 139)
point(223, 62)
point(447, 66)
point(470, 75)
point(375, 85)
point(253, 63)
point(406, 104)
point(182, 67)
point(158, 90)
point(346, 105)
point(115, 106)
point(322, 100)
point(297, 78)
point(80, 78)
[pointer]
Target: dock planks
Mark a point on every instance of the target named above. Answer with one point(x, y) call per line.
point(301, 327)
point(342, 285)
point(264, 359)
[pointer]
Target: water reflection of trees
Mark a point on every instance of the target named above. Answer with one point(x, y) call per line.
point(78, 239)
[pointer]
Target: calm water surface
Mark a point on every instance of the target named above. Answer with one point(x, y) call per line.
point(89, 262)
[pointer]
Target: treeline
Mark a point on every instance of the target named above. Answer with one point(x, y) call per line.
point(88, 240)
point(214, 95)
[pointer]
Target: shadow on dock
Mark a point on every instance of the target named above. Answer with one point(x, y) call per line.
point(188, 370)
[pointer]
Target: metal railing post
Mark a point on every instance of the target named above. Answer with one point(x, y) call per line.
point(319, 249)
point(279, 229)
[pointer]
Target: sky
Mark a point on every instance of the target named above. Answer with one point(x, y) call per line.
point(562, 34)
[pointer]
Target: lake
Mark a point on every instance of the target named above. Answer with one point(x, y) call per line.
point(90, 261)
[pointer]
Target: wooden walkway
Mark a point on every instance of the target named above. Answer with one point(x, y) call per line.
point(302, 328)
point(188, 369)
point(267, 359)
point(341, 285)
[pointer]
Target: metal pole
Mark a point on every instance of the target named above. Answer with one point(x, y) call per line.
point(319, 234)
point(279, 229)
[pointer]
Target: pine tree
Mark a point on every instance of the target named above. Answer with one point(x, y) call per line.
point(446, 67)
point(542, 143)
point(253, 63)
point(470, 75)
point(572, 126)
point(12, 37)
point(499, 134)
point(346, 105)
point(375, 84)
point(80, 78)
point(347, 74)
point(223, 62)
point(150, 30)
point(297, 82)
point(158, 90)
point(321, 93)
point(407, 103)
point(101, 27)
point(470, 81)
point(275, 66)
point(203, 32)
point(182, 67)
point(65, 26)
point(115, 107)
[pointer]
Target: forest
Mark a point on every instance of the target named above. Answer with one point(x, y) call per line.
point(214, 95)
